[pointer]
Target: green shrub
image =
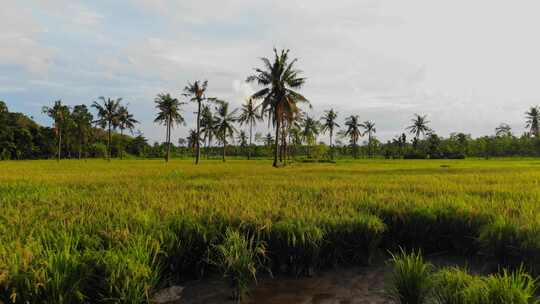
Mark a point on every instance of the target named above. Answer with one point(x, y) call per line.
point(131, 272)
point(351, 240)
point(411, 278)
point(294, 246)
point(449, 285)
point(239, 258)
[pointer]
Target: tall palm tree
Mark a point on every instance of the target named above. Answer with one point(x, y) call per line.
point(369, 128)
point(225, 123)
point(279, 97)
point(107, 118)
point(126, 121)
point(208, 127)
point(169, 114)
point(250, 115)
point(503, 130)
point(309, 132)
point(532, 117)
point(83, 123)
point(196, 92)
point(59, 114)
point(353, 131)
point(328, 125)
point(419, 126)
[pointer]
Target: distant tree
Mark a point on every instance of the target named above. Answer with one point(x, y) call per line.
point(59, 113)
point(532, 117)
point(225, 124)
point(353, 131)
point(208, 127)
point(192, 140)
point(309, 132)
point(126, 121)
point(419, 126)
point(82, 119)
point(503, 130)
point(250, 115)
point(279, 97)
point(169, 114)
point(243, 141)
point(196, 92)
point(329, 124)
point(369, 128)
point(107, 118)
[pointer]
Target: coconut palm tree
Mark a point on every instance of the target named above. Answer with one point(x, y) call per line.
point(353, 131)
point(225, 123)
point(532, 117)
point(83, 123)
point(309, 132)
point(126, 121)
point(369, 128)
point(279, 80)
point(329, 124)
point(169, 114)
point(196, 93)
point(503, 130)
point(250, 115)
point(59, 113)
point(419, 126)
point(208, 127)
point(107, 118)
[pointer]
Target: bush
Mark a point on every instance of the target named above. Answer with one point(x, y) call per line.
point(411, 278)
point(450, 284)
point(239, 258)
point(352, 240)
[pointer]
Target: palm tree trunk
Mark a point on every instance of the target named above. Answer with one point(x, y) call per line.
point(121, 144)
point(168, 140)
point(59, 145)
point(109, 152)
point(331, 145)
point(250, 135)
point(224, 146)
point(198, 143)
point(276, 142)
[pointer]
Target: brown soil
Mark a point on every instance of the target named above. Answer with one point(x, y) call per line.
point(340, 286)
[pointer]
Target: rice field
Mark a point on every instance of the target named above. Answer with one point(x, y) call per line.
point(99, 232)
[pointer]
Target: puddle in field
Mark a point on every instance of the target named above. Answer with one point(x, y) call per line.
point(356, 285)
point(340, 286)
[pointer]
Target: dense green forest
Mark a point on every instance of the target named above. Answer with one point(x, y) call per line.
point(23, 138)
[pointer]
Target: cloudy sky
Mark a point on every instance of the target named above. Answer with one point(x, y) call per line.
point(468, 64)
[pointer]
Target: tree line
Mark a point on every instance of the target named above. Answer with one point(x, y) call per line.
point(100, 130)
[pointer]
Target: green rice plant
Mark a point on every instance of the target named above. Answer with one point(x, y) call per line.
point(511, 242)
point(294, 246)
point(449, 285)
point(517, 287)
point(351, 240)
point(186, 246)
point(239, 258)
point(131, 272)
point(63, 270)
point(411, 278)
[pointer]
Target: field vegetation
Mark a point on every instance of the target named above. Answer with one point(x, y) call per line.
point(94, 231)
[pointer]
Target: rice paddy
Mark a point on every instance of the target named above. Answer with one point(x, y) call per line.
point(79, 232)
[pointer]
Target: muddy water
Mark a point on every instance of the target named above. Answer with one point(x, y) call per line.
point(341, 286)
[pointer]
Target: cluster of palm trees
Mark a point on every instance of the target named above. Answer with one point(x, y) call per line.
point(277, 100)
point(112, 115)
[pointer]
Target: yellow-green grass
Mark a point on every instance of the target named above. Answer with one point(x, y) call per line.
point(123, 228)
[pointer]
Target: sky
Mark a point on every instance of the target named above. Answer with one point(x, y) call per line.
point(467, 64)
